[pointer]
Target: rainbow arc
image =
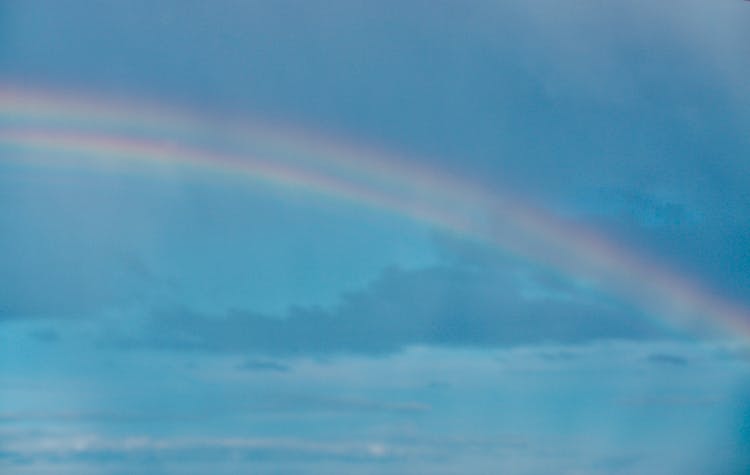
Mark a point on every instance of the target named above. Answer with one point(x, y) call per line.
point(47, 129)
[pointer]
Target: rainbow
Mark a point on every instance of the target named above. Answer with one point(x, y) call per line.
point(103, 134)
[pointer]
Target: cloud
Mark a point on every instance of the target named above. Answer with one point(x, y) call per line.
point(305, 403)
point(558, 355)
point(264, 365)
point(265, 455)
point(667, 359)
point(440, 306)
point(45, 335)
point(264, 402)
point(97, 447)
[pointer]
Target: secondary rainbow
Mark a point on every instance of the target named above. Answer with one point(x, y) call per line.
point(73, 130)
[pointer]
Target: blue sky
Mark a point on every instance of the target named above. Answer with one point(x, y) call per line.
point(184, 325)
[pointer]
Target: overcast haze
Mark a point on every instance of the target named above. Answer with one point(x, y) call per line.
point(181, 320)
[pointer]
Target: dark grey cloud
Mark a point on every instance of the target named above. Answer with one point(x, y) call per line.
point(442, 306)
point(307, 403)
point(264, 365)
point(558, 355)
point(667, 359)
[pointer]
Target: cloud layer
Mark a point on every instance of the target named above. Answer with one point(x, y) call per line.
point(440, 306)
